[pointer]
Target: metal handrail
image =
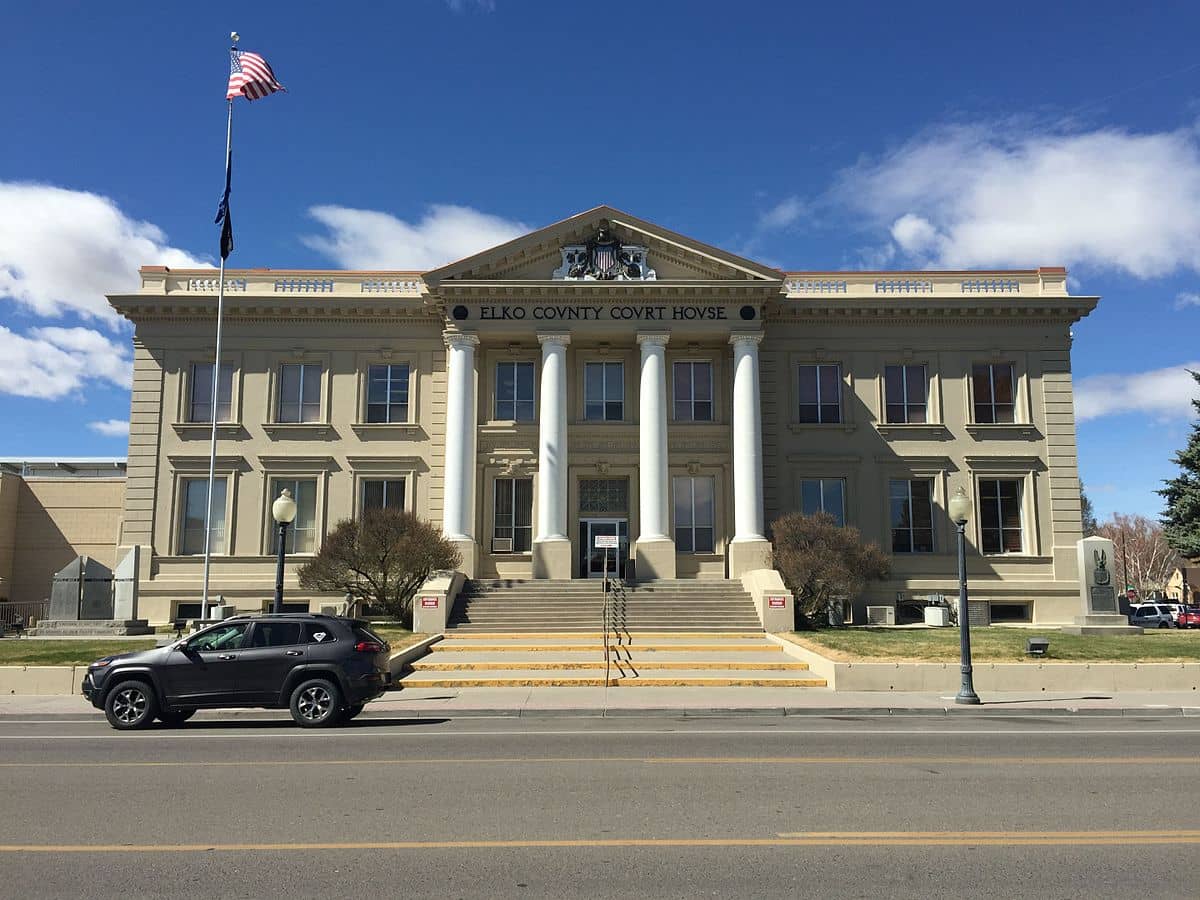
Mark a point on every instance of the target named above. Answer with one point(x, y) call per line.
point(605, 618)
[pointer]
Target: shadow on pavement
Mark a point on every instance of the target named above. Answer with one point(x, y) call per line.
point(289, 725)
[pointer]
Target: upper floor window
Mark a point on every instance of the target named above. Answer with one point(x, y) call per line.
point(604, 391)
point(911, 503)
point(513, 515)
point(383, 494)
point(387, 393)
point(821, 393)
point(200, 403)
point(1000, 515)
point(693, 392)
point(194, 509)
point(827, 495)
point(906, 393)
point(694, 515)
point(302, 533)
point(514, 391)
point(299, 393)
point(993, 386)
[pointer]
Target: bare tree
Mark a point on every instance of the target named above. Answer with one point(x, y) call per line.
point(1139, 544)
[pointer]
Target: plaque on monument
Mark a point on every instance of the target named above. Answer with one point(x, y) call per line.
point(1104, 599)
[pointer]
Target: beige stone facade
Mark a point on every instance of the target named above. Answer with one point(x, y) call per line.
point(530, 402)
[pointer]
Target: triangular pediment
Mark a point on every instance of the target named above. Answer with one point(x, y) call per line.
point(538, 255)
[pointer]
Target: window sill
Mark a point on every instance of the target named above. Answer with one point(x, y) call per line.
point(803, 427)
point(297, 429)
point(1007, 431)
point(375, 429)
point(204, 429)
point(928, 431)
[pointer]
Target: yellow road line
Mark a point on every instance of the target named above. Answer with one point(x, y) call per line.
point(647, 760)
point(830, 839)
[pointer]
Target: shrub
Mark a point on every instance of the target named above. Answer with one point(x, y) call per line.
point(382, 559)
point(824, 563)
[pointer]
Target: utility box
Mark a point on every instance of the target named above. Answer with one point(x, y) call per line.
point(937, 616)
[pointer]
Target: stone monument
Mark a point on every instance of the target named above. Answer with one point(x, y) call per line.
point(86, 599)
point(1098, 593)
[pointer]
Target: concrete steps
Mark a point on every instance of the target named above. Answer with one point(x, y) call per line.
point(565, 659)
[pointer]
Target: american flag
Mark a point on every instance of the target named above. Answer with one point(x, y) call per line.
point(250, 76)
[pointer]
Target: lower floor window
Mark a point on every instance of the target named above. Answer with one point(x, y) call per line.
point(1010, 612)
point(383, 494)
point(694, 515)
point(195, 509)
point(1000, 515)
point(302, 533)
point(514, 512)
point(827, 495)
point(911, 502)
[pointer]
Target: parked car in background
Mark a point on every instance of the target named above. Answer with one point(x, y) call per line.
point(1189, 618)
point(1174, 609)
point(1151, 615)
point(323, 668)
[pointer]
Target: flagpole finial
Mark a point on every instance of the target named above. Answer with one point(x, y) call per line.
point(234, 36)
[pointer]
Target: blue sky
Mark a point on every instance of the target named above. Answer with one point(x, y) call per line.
point(810, 136)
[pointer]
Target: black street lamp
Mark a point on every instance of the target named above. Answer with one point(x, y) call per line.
point(960, 511)
point(284, 511)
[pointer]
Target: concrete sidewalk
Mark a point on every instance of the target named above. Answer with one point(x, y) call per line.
point(731, 701)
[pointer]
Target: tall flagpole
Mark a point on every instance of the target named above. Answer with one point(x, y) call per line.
point(216, 376)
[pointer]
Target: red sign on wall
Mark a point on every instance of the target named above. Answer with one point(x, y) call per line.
point(776, 602)
point(429, 602)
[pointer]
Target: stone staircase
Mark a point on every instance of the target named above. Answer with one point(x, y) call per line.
point(576, 659)
point(530, 607)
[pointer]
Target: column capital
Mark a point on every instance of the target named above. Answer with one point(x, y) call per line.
point(653, 338)
point(556, 337)
point(460, 339)
point(746, 337)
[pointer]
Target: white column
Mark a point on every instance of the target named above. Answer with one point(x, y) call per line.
point(552, 440)
point(652, 433)
point(459, 478)
point(747, 440)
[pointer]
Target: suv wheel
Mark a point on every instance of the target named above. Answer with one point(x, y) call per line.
point(129, 705)
point(174, 717)
point(1164, 624)
point(316, 703)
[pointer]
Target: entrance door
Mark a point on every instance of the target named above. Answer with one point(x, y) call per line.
point(592, 560)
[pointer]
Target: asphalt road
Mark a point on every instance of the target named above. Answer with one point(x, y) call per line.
point(745, 807)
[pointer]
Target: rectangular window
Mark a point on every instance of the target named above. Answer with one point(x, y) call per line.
point(821, 394)
point(302, 533)
point(200, 406)
point(994, 388)
point(514, 512)
point(604, 392)
point(194, 497)
point(905, 394)
point(694, 515)
point(912, 515)
point(383, 494)
point(300, 393)
point(387, 393)
point(514, 391)
point(827, 495)
point(693, 392)
point(1000, 515)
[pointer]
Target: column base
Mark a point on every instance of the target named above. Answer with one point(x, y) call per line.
point(552, 558)
point(654, 559)
point(468, 548)
point(746, 556)
point(1101, 623)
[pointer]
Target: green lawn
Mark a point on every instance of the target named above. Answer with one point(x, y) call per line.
point(46, 652)
point(998, 645)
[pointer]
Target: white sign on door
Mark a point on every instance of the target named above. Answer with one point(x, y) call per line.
point(606, 542)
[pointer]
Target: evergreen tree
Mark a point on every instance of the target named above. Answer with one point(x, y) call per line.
point(1181, 521)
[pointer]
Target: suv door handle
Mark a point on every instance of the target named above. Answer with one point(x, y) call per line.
point(226, 656)
point(293, 653)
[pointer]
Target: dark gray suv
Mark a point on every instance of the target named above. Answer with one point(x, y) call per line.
point(323, 668)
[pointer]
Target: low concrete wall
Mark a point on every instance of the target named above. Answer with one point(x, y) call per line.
point(400, 659)
point(1028, 676)
point(434, 601)
point(45, 680)
point(766, 587)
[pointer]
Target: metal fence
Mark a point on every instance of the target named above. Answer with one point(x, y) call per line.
point(16, 616)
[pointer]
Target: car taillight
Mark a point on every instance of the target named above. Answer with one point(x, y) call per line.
point(369, 647)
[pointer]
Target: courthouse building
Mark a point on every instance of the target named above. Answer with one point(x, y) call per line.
point(604, 375)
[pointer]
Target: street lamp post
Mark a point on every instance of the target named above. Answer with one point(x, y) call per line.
point(960, 511)
point(284, 511)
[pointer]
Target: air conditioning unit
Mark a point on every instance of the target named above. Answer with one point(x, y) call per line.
point(881, 615)
point(502, 545)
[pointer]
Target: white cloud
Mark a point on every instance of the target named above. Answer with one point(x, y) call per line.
point(63, 250)
point(783, 214)
point(368, 239)
point(1186, 298)
point(111, 427)
point(50, 363)
point(1161, 393)
point(997, 194)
